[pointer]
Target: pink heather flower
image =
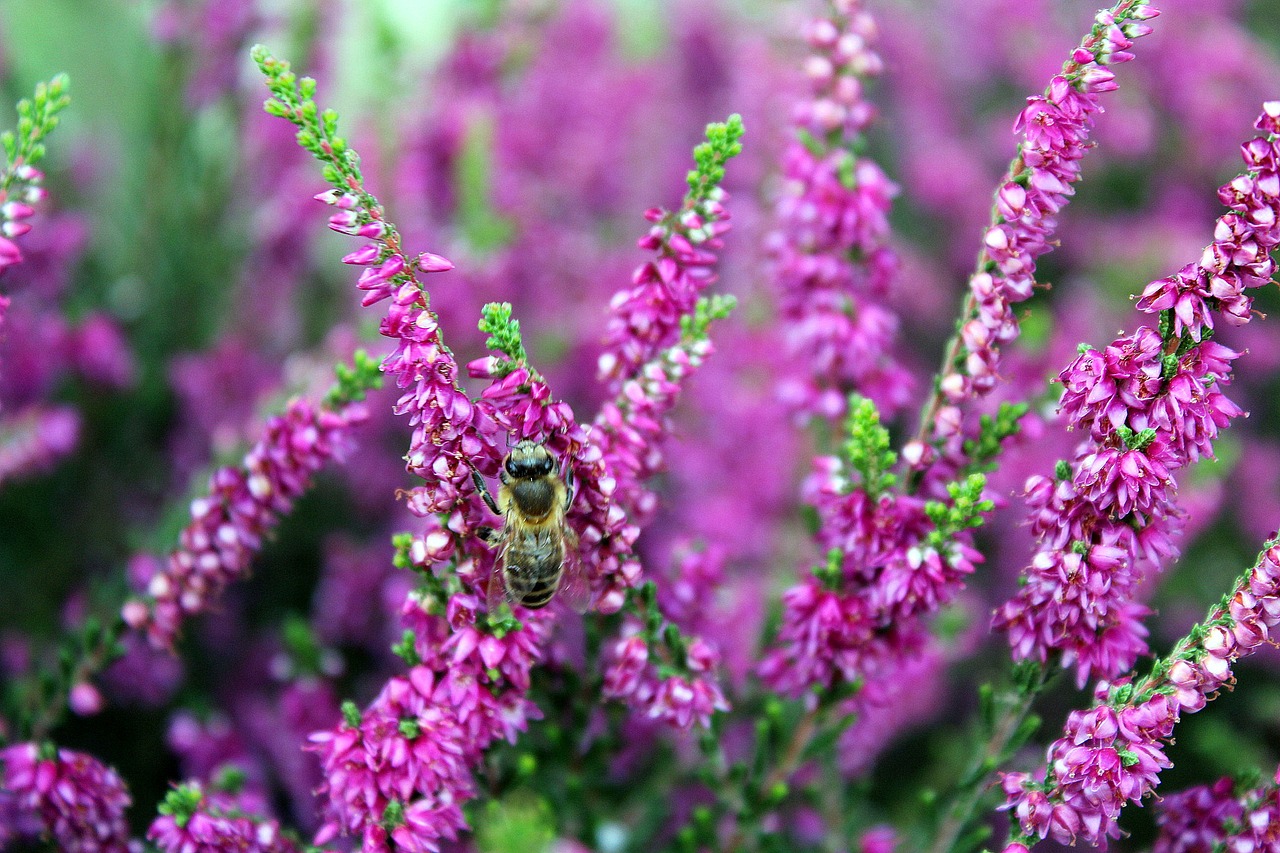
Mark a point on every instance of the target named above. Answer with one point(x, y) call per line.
point(1215, 817)
point(35, 438)
point(16, 207)
point(84, 699)
point(1105, 759)
point(397, 774)
point(216, 822)
point(684, 596)
point(840, 629)
point(441, 414)
point(677, 700)
point(408, 748)
point(243, 504)
point(1147, 415)
point(78, 803)
point(828, 638)
point(645, 362)
point(1054, 129)
point(1112, 754)
point(832, 263)
point(646, 318)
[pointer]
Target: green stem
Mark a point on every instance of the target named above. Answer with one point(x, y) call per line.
point(1009, 728)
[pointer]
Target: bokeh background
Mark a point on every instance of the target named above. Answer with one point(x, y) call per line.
point(180, 284)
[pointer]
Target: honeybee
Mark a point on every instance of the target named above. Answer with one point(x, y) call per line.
point(538, 549)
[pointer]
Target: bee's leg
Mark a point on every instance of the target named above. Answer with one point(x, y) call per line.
point(488, 535)
point(484, 491)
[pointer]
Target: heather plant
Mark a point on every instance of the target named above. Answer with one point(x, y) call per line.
point(855, 542)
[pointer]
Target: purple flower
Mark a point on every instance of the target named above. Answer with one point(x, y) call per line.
point(197, 821)
point(832, 262)
point(78, 802)
point(1105, 759)
point(1055, 129)
point(243, 504)
point(678, 700)
point(17, 202)
point(1112, 754)
point(863, 614)
point(1151, 403)
point(824, 636)
point(35, 438)
point(646, 318)
point(1217, 817)
point(407, 748)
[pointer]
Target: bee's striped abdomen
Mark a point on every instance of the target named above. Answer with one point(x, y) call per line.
point(533, 565)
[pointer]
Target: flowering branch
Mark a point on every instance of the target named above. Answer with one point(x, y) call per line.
point(648, 317)
point(245, 502)
point(1055, 131)
point(69, 798)
point(833, 264)
point(1112, 754)
point(1228, 815)
point(195, 820)
point(469, 671)
point(20, 180)
point(1151, 403)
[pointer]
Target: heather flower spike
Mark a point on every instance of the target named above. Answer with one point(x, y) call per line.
point(646, 318)
point(658, 670)
point(1112, 755)
point(1227, 815)
point(833, 265)
point(246, 501)
point(1149, 404)
point(1054, 133)
point(892, 560)
point(70, 798)
point(195, 820)
point(20, 181)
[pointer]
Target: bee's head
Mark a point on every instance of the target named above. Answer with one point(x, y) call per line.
point(529, 460)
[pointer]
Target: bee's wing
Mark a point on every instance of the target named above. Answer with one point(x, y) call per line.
point(497, 591)
point(575, 587)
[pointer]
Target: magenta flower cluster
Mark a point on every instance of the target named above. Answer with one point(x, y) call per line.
point(833, 264)
point(69, 797)
point(1112, 754)
point(680, 700)
point(1210, 817)
point(243, 504)
point(218, 822)
point(1055, 130)
point(17, 206)
point(864, 615)
point(645, 318)
point(1150, 403)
